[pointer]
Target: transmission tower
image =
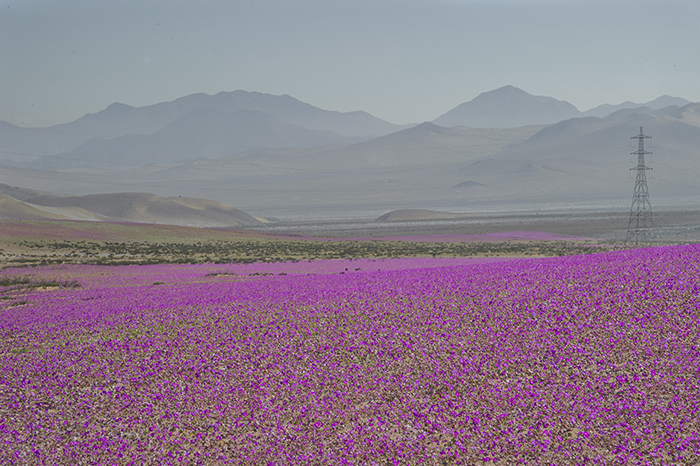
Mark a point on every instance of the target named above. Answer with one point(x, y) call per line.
point(641, 220)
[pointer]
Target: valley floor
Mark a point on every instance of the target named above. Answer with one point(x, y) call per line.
point(670, 225)
point(51, 242)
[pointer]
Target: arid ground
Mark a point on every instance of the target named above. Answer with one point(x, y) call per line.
point(46, 242)
point(669, 225)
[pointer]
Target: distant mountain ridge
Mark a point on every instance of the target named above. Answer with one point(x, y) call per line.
point(604, 110)
point(262, 163)
point(589, 158)
point(200, 133)
point(283, 107)
point(202, 126)
point(507, 107)
point(118, 120)
point(578, 160)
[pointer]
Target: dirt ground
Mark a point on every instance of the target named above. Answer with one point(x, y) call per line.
point(669, 226)
point(52, 242)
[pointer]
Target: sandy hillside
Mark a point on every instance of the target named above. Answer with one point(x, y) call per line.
point(129, 207)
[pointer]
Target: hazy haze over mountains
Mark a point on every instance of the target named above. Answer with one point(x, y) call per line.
point(277, 156)
point(229, 123)
point(305, 125)
point(199, 133)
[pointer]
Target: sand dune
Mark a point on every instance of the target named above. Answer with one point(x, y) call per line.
point(130, 207)
point(11, 208)
point(23, 194)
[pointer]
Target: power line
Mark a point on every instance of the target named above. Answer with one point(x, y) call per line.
point(641, 217)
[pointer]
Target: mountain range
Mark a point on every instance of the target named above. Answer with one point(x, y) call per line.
point(202, 133)
point(279, 157)
point(508, 107)
point(229, 123)
point(119, 121)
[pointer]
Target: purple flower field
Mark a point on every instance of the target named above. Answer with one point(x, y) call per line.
point(574, 360)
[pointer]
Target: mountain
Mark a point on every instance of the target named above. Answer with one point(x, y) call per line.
point(283, 107)
point(318, 181)
point(588, 159)
point(583, 160)
point(201, 133)
point(22, 144)
point(18, 144)
point(423, 145)
point(507, 107)
point(689, 114)
point(604, 110)
point(578, 161)
point(667, 101)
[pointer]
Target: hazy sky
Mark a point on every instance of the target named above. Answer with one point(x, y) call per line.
point(401, 60)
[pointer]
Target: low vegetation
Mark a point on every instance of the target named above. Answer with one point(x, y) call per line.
point(13, 283)
point(13, 289)
point(50, 252)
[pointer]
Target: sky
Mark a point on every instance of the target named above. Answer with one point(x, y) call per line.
point(405, 61)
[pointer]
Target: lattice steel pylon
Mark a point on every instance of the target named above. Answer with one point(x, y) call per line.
point(641, 220)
